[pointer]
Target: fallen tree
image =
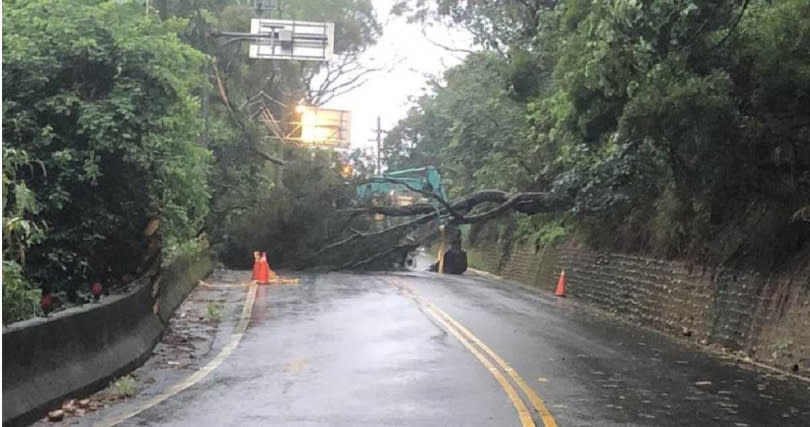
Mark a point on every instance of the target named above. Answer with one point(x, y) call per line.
point(390, 246)
point(459, 210)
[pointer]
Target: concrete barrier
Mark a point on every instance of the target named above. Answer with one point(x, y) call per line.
point(79, 350)
point(181, 276)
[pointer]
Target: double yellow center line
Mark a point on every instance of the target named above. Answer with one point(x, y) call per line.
point(479, 349)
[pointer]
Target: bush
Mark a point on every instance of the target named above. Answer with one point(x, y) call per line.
point(20, 298)
point(124, 387)
point(99, 106)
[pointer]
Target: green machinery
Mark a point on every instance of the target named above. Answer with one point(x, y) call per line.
point(393, 183)
point(391, 187)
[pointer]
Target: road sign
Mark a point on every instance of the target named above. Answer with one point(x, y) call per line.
point(325, 127)
point(297, 40)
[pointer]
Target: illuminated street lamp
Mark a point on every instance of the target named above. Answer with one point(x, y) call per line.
point(347, 170)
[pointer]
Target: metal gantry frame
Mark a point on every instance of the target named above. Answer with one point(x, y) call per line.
point(284, 34)
point(323, 40)
point(283, 130)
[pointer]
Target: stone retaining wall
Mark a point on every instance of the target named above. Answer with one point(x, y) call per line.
point(765, 317)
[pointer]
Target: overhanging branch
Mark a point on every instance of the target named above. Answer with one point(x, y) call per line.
point(528, 203)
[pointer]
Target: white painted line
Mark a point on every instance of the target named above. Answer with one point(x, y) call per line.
point(196, 377)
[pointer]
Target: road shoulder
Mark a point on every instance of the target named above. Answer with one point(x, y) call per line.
point(197, 331)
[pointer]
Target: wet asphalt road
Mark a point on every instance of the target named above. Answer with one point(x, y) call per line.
point(347, 350)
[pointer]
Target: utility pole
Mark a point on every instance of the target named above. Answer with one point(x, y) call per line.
point(379, 146)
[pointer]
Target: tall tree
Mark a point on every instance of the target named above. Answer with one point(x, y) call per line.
point(671, 122)
point(100, 110)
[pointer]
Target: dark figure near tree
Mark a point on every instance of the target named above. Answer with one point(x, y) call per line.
point(455, 258)
point(455, 261)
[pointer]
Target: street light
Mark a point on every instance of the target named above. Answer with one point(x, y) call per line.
point(347, 170)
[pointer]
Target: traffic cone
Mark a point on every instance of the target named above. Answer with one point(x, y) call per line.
point(560, 292)
point(270, 274)
point(262, 275)
point(257, 266)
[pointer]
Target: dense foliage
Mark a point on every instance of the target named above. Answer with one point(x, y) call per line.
point(256, 203)
point(678, 126)
point(100, 134)
point(675, 126)
point(114, 118)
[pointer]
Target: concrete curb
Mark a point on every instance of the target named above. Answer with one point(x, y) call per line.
point(533, 289)
point(182, 276)
point(485, 274)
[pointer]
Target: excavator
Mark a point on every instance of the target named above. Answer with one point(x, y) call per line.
point(397, 188)
point(394, 186)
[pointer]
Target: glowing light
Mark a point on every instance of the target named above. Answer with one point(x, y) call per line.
point(324, 126)
point(347, 170)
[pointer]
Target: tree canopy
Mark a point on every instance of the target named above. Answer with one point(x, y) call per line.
point(100, 134)
point(677, 126)
point(115, 119)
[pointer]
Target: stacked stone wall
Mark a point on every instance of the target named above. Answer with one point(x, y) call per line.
point(765, 317)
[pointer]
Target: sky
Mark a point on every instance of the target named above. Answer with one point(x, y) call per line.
point(408, 56)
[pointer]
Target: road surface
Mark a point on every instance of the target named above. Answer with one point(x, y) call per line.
point(417, 349)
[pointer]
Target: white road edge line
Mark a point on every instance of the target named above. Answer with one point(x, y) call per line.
point(203, 372)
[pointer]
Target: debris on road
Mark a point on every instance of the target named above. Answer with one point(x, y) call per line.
point(56, 415)
point(186, 342)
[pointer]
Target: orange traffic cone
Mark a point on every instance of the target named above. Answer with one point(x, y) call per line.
point(263, 275)
point(269, 274)
point(560, 292)
point(257, 266)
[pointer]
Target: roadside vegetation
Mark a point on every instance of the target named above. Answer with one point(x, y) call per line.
point(99, 135)
point(123, 388)
point(213, 311)
point(115, 119)
point(674, 127)
point(679, 127)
